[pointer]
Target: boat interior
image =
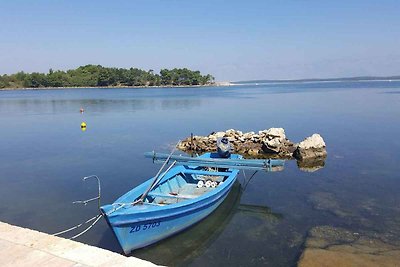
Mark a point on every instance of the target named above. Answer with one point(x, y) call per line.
point(186, 184)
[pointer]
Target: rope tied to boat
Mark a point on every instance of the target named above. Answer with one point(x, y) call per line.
point(94, 219)
point(120, 206)
point(247, 181)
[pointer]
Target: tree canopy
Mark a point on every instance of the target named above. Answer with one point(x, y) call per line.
point(99, 76)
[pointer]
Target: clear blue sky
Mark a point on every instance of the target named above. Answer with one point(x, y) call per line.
point(233, 40)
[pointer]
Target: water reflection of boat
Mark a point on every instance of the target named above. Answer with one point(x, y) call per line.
point(194, 241)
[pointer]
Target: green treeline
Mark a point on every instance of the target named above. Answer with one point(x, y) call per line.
point(97, 75)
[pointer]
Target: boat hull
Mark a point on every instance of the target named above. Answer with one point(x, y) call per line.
point(133, 236)
point(144, 224)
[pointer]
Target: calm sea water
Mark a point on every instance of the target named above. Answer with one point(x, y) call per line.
point(44, 154)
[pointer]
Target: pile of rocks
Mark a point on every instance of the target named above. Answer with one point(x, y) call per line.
point(271, 143)
point(264, 143)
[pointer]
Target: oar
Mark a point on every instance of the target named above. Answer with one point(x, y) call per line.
point(156, 180)
point(162, 175)
point(228, 166)
point(241, 162)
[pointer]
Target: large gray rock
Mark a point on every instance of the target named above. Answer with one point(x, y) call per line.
point(314, 141)
point(274, 141)
point(311, 148)
point(273, 145)
point(273, 133)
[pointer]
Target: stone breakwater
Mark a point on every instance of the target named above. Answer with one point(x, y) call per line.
point(270, 143)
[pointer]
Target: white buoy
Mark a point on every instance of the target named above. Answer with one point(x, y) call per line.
point(200, 184)
point(213, 184)
point(208, 183)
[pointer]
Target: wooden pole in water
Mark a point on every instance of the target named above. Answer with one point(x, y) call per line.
point(191, 143)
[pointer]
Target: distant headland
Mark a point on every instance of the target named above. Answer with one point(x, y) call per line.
point(344, 79)
point(99, 76)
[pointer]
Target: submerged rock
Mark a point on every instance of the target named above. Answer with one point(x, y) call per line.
point(327, 201)
point(330, 246)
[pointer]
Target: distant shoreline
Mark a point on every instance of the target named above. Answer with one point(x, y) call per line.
point(343, 79)
point(216, 84)
point(310, 81)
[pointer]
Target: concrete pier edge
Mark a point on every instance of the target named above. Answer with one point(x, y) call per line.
point(24, 247)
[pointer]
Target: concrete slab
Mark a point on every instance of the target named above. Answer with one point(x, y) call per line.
point(24, 247)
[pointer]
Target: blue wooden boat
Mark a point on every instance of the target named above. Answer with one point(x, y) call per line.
point(154, 211)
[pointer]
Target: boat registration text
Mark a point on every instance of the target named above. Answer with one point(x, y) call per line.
point(143, 227)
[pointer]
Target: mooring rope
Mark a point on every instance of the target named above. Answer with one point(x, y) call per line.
point(95, 218)
point(75, 227)
point(87, 229)
point(245, 181)
point(121, 205)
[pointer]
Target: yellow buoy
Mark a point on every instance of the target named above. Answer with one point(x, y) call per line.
point(83, 125)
